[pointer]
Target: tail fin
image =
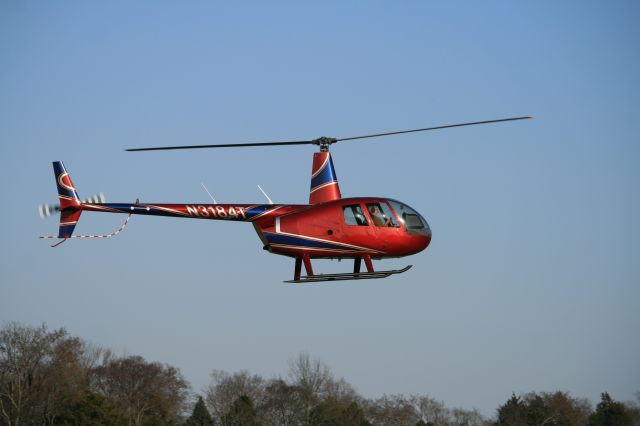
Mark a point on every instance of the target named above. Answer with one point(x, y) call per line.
point(324, 183)
point(70, 204)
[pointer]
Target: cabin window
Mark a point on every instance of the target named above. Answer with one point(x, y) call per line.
point(410, 219)
point(381, 215)
point(353, 215)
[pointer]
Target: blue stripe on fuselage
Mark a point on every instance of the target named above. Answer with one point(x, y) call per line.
point(298, 241)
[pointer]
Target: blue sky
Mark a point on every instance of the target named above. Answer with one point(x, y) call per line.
point(530, 283)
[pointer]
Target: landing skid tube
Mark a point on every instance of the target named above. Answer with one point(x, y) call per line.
point(348, 276)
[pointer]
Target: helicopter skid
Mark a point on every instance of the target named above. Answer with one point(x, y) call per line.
point(349, 276)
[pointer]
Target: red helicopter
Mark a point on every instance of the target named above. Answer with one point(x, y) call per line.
point(359, 228)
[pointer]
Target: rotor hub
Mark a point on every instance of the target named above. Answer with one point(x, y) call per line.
point(324, 142)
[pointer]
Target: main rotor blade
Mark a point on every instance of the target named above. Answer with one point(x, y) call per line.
point(433, 128)
point(227, 145)
point(323, 141)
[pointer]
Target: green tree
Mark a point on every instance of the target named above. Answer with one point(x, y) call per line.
point(91, 410)
point(545, 408)
point(556, 408)
point(353, 415)
point(610, 413)
point(634, 409)
point(332, 412)
point(200, 415)
point(242, 413)
point(513, 412)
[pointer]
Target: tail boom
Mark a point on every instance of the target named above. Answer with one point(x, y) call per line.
point(233, 212)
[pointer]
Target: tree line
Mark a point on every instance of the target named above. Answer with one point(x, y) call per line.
point(48, 377)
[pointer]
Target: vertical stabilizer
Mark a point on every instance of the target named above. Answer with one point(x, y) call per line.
point(70, 204)
point(324, 182)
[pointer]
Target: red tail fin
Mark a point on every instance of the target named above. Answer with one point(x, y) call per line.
point(324, 183)
point(70, 204)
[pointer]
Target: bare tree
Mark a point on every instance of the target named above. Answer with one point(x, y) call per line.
point(430, 410)
point(45, 375)
point(64, 378)
point(310, 374)
point(312, 377)
point(459, 416)
point(226, 388)
point(391, 410)
point(25, 353)
point(144, 392)
point(283, 404)
point(94, 355)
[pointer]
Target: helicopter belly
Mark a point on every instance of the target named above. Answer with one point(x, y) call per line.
point(294, 235)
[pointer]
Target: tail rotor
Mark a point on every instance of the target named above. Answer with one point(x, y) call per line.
point(46, 210)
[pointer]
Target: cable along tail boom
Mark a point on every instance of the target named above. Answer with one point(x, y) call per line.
point(113, 234)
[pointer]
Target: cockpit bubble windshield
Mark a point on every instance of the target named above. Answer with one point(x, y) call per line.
point(410, 219)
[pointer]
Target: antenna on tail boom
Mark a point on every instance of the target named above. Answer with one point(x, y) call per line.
point(210, 196)
point(265, 194)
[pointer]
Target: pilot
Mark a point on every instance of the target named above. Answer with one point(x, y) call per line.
point(378, 218)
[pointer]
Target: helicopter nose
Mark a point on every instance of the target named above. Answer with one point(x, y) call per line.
point(420, 242)
point(427, 237)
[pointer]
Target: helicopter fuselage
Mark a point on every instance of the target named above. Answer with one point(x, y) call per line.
point(348, 227)
point(345, 228)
